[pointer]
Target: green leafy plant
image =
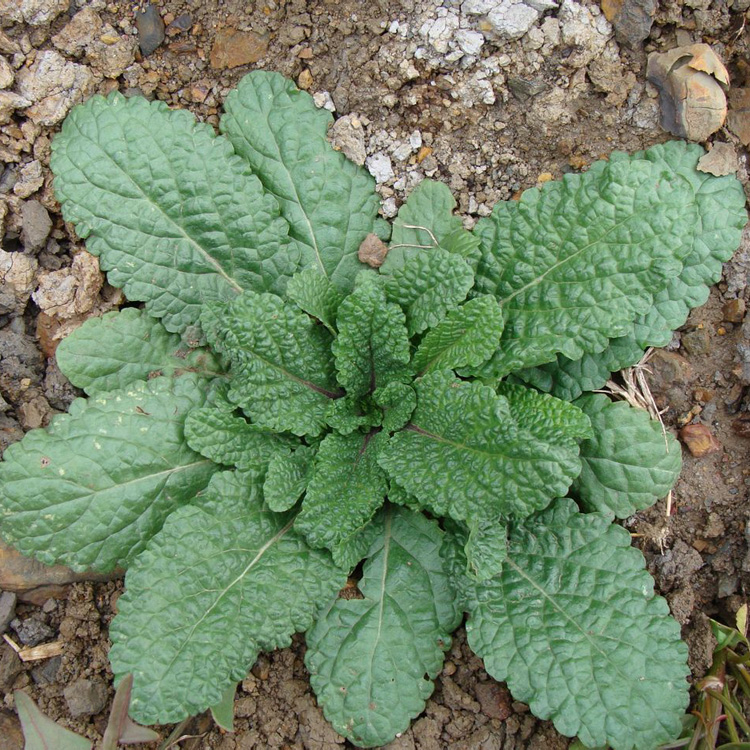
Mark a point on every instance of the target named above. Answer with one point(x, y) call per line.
point(280, 416)
point(41, 733)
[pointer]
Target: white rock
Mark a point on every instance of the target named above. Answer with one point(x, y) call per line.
point(380, 167)
point(511, 19)
point(9, 103)
point(17, 272)
point(541, 5)
point(415, 139)
point(323, 100)
point(440, 31)
point(54, 85)
point(551, 31)
point(33, 12)
point(7, 76)
point(478, 7)
point(469, 41)
point(70, 291)
point(30, 179)
point(402, 153)
point(389, 208)
point(586, 32)
point(348, 136)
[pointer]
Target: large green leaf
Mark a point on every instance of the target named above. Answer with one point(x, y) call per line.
point(572, 624)
point(470, 453)
point(574, 263)
point(714, 236)
point(330, 203)
point(174, 215)
point(628, 463)
point(282, 367)
point(466, 337)
point(346, 487)
point(372, 348)
point(223, 580)
point(93, 488)
point(117, 349)
point(372, 660)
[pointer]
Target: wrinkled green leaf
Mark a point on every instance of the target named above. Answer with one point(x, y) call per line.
point(372, 348)
point(117, 349)
point(628, 463)
point(287, 479)
point(574, 263)
point(91, 489)
point(314, 293)
point(184, 628)
point(346, 414)
point(346, 487)
point(572, 625)
point(281, 364)
point(176, 218)
point(466, 337)
point(330, 203)
point(470, 453)
point(398, 401)
point(486, 547)
point(41, 733)
point(372, 660)
point(231, 440)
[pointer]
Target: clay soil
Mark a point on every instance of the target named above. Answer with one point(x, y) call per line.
point(489, 125)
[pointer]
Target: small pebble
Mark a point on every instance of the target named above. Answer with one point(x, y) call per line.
point(150, 30)
point(32, 632)
point(7, 609)
point(85, 697)
point(734, 310)
point(700, 441)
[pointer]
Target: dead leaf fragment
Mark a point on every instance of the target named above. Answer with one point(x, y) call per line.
point(372, 251)
point(720, 160)
point(700, 441)
point(691, 82)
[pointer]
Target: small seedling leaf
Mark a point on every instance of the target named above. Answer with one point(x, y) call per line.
point(41, 733)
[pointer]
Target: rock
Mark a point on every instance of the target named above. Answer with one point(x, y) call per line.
point(631, 19)
point(34, 412)
point(85, 697)
point(54, 85)
point(232, 48)
point(733, 311)
point(8, 46)
point(305, 79)
point(372, 251)
point(720, 160)
point(348, 136)
point(469, 42)
point(609, 76)
point(11, 732)
point(17, 274)
point(324, 100)
point(494, 699)
point(509, 19)
point(741, 425)
point(439, 31)
point(30, 179)
point(738, 119)
point(7, 609)
point(46, 673)
point(585, 31)
point(105, 49)
point(380, 167)
point(7, 76)
point(36, 225)
point(150, 30)
point(10, 667)
point(33, 12)
point(699, 440)
point(70, 291)
point(31, 631)
point(691, 82)
point(9, 103)
point(696, 341)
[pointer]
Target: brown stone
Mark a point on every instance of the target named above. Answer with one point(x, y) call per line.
point(700, 441)
point(233, 48)
point(741, 426)
point(738, 119)
point(372, 251)
point(734, 310)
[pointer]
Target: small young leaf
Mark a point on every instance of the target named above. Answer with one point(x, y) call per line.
point(113, 351)
point(470, 453)
point(287, 479)
point(223, 711)
point(486, 547)
point(372, 660)
point(372, 348)
point(282, 368)
point(120, 729)
point(346, 488)
point(174, 215)
point(575, 262)
point(330, 203)
point(184, 628)
point(629, 462)
point(41, 733)
point(314, 294)
point(466, 337)
point(426, 283)
point(231, 440)
point(93, 488)
point(572, 624)
point(346, 414)
point(398, 401)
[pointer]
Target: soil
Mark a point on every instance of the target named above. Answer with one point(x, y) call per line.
point(489, 122)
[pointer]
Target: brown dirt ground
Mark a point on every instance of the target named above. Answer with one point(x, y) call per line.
point(485, 152)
